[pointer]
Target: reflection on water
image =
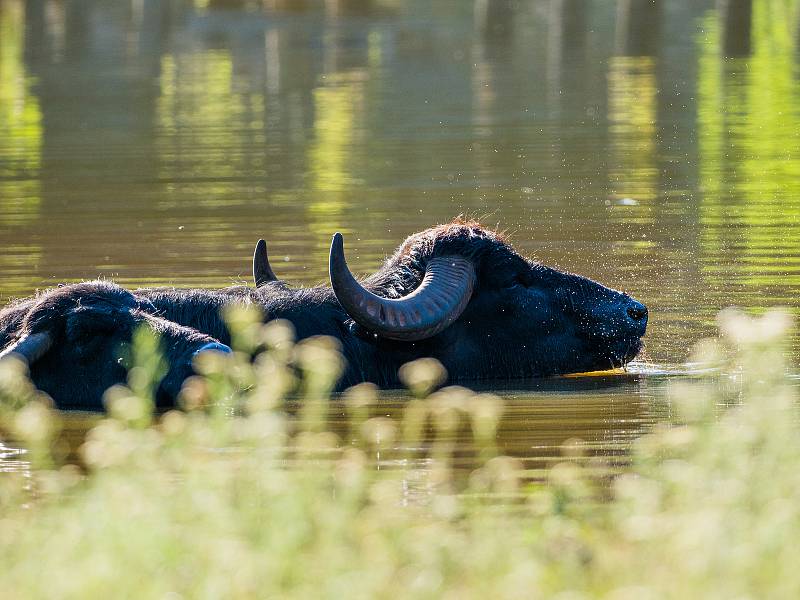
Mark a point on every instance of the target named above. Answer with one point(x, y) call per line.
point(603, 413)
point(749, 134)
point(21, 124)
point(20, 152)
point(632, 127)
point(651, 145)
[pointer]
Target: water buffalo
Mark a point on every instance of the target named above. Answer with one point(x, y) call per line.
point(73, 338)
point(456, 292)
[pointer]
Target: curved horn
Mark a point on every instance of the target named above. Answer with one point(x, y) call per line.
point(262, 272)
point(30, 347)
point(439, 300)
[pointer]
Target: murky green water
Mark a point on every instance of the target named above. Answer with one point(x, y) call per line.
point(154, 142)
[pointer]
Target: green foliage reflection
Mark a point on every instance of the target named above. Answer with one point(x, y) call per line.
point(20, 123)
point(632, 90)
point(749, 142)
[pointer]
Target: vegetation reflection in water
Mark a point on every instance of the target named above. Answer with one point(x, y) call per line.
point(267, 503)
point(750, 156)
point(20, 150)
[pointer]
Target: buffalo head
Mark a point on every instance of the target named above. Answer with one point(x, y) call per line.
point(460, 293)
point(73, 338)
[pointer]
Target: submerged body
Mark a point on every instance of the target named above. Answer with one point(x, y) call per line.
point(458, 293)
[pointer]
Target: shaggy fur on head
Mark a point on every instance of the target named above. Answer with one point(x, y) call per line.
point(404, 270)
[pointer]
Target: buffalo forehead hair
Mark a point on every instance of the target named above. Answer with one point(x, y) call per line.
point(467, 238)
point(402, 272)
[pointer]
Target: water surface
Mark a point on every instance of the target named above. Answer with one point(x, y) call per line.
point(654, 147)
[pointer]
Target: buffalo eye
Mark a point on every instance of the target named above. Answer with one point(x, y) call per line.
point(514, 283)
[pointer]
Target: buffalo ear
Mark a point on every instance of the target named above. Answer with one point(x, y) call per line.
point(262, 271)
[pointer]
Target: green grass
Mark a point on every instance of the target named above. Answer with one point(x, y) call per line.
point(235, 497)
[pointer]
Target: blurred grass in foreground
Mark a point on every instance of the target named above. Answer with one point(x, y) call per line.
point(237, 498)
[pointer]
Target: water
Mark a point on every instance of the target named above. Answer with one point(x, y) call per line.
point(658, 152)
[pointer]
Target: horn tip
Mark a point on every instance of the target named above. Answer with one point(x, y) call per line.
point(337, 243)
point(262, 271)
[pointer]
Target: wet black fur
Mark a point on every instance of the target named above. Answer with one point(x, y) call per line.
point(91, 324)
point(524, 319)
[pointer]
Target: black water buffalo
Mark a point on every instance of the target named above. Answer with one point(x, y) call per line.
point(455, 292)
point(73, 339)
